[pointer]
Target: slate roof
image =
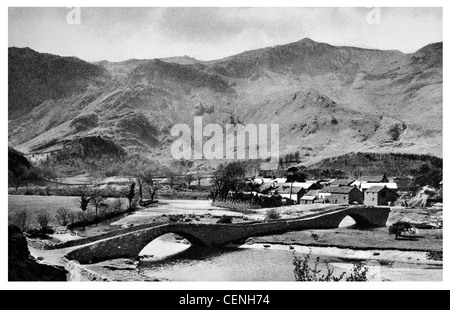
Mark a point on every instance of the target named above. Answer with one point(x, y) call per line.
point(376, 189)
point(337, 189)
point(287, 190)
point(344, 182)
point(314, 192)
point(388, 185)
point(308, 198)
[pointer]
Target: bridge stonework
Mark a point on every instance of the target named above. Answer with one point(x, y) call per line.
point(128, 245)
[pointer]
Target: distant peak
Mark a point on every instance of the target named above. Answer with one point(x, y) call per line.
point(307, 41)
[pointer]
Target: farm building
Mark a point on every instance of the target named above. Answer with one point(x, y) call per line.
point(308, 200)
point(365, 182)
point(297, 193)
point(379, 196)
point(365, 186)
point(310, 197)
point(341, 194)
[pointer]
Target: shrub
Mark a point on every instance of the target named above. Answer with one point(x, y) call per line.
point(303, 271)
point(435, 255)
point(62, 216)
point(272, 214)
point(225, 219)
point(359, 273)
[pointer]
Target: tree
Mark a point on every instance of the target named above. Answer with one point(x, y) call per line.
point(228, 178)
point(84, 198)
point(218, 182)
point(44, 218)
point(189, 180)
point(152, 185)
point(398, 228)
point(97, 200)
point(140, 182)
point(19, 177)
point(62, 216)
point(22, 219)
point(131, 193)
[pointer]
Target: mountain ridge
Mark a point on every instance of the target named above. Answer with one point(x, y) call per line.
point(323, 97)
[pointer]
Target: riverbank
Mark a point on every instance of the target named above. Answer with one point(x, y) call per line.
point(428, 240)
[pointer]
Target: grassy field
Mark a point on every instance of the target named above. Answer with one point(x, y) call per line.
point(37, 203)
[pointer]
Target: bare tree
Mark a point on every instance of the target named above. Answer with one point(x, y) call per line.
point(44, 218)
point(97, 201)
point(62, 216)
point(22, 219)
point(152, 185)
point(140, 181)
point(189, 180)
point(72, 217)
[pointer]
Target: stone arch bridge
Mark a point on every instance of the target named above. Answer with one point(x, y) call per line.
point(129, 244)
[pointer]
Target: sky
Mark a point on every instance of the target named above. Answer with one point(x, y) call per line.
point(117, 34)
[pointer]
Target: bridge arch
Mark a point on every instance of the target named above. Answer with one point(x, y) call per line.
point(128, 245)
point(167, 245)
point(360, 221)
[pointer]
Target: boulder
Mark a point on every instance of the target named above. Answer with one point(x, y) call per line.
point(22, 266)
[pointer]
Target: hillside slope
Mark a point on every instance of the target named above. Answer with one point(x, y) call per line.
point(328, 100)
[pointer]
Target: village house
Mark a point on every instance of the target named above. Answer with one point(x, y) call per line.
point(310, 197)
point(341, 194)
point(366, 181)
point(365, 186)
point(379, 196)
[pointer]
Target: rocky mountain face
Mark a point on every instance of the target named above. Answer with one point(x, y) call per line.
point(328, 100)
